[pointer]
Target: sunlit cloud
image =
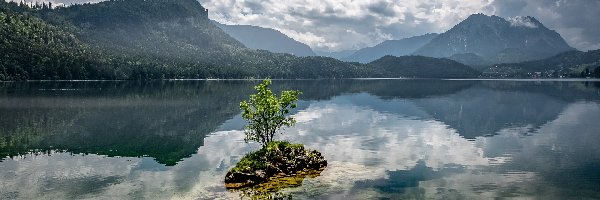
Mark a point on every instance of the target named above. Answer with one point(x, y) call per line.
point(335, 25)
point(339, 25)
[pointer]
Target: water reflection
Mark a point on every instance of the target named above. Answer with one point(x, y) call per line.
point(272, 188)
point(383, 139)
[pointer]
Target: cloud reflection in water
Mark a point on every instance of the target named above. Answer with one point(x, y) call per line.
point(376, 149)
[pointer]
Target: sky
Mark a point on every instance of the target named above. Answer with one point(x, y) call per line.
point(334, 25)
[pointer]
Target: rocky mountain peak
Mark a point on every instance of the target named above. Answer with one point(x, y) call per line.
point(497, 39)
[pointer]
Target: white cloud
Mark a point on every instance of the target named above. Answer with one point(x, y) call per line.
point(360, 143)
point(325, 24)
point(331, 25)
point(338, 25)
point(575, 20)
point(522, 21)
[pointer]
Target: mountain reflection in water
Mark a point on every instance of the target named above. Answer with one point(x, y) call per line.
point(394, 139)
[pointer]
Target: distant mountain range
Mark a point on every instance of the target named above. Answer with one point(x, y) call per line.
point(400, 47)
point(497, 40)
point(477, 41)
point(256, 37)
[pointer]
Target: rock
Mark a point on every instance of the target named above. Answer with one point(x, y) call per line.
point(278, 159)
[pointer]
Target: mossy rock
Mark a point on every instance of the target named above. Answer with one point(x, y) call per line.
point(277, 161)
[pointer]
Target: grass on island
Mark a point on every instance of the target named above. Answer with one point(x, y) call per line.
point(259, 159)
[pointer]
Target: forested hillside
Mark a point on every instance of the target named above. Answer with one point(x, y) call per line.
point(423, 67)
point(140, 39)
point(568, 64)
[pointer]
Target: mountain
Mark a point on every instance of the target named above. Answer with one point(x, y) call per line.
point(139, 39)
point(400, 47)
point(335, 54)
point(255, 37)
point(28, 43)
point(159, 28)
point(472, 60)
point(423, 67)
point(497, 40)
point(567, 64)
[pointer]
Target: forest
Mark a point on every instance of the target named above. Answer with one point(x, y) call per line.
point(145, 39)
point(136, 39)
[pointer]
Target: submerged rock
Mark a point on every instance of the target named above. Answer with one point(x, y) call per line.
point(276, 160)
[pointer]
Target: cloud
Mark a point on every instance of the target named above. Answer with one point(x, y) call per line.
point(339, 25)
point(362, 144)
point(575, 20)
point(522, 21)
point(331, 25)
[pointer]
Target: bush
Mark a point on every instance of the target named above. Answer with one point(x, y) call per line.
point(266, 113)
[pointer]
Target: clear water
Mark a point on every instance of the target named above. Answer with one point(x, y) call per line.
point(384, 139)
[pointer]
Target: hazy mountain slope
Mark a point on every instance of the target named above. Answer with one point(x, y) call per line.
point(255, 37)
point(471, 59)
point(179, 28)
point(423, 67)
point(497, 39)
point(335, 54)
point(400, 47)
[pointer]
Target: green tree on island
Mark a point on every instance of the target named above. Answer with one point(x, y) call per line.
point(266, 113)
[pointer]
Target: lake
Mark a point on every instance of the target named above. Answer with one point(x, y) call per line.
point(383, 139)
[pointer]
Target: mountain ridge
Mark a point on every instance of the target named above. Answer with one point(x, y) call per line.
point(177, 42)
point(335, 54)
point(493, 38)
point(256, 37)
point(401, 47)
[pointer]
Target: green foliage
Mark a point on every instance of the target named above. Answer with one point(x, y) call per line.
point(266, 113)
point(260, 159)
point(149, 39)
point(254, 160)
point(139, 39)
point(273, 145)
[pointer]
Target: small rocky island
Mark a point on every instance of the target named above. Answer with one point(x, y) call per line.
point(277, 164)
point(277, 159)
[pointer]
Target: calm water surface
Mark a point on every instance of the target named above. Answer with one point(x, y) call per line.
point(384, 139)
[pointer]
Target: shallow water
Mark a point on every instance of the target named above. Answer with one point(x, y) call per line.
point(420, 139)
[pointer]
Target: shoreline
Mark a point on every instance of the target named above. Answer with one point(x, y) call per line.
point(308, 79)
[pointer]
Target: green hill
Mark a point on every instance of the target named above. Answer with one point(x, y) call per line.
point(423, 67)
point(140, 39)
point(568, 64)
